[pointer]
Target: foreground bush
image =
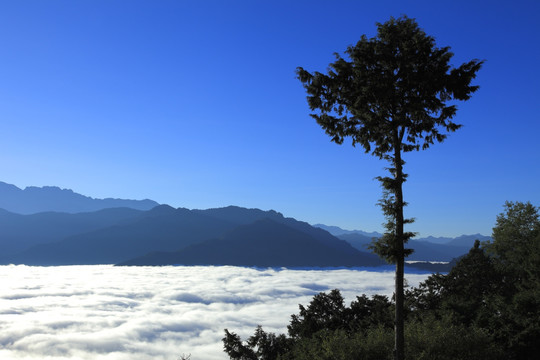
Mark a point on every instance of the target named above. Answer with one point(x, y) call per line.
point(486, 307)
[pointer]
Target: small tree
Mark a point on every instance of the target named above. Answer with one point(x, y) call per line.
point(516, 253)
point(392, 97)
point(515, 241)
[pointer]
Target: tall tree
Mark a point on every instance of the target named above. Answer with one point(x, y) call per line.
point(394, 95)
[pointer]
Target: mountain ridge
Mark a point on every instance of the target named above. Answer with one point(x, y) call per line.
point(122, 234)
point(262, 244)
point(164, 229)
point(425, 249)
point(337, 231)
point(33, 200)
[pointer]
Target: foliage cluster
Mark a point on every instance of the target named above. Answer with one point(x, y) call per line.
point(486, 307)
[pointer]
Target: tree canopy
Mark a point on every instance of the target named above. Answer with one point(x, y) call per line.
point(393, 92)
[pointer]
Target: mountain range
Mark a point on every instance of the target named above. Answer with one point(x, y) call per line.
point(34, 200)
point(425, 249)
point(162, 235)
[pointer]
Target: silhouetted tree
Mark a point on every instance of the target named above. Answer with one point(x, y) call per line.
point(515, 243)
point(516, 253)
point(325, 312)
point(472, 280)
point(495, 288)
point(393, 95)
point(326, 329)
point(260, 346)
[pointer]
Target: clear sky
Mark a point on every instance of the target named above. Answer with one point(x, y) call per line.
point(195, 104)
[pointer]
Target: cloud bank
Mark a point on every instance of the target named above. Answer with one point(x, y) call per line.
point(135, 313)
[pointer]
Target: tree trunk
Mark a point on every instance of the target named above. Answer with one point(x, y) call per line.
point(399, 331)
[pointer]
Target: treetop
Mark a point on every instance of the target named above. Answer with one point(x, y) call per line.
point(394, 90)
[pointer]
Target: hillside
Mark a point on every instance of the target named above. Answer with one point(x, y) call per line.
point(264, 243)
point(160, 229)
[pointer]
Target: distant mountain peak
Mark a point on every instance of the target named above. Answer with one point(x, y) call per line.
point(49, 188)
point(237, 208)
point(337, 231)
point(34, 199)
point(8, 187)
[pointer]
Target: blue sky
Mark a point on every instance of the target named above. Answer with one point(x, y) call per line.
point(196, 104)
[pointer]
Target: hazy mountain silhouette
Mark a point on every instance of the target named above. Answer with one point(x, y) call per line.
point(437, 240)
point(231, 235)
point(126, 230)
point(34, 200)
point(19, 232)
point(265, 243)
point(337, 231)
point(160, 229)
point(425, 249)
point(468, 240)
point(240, 215)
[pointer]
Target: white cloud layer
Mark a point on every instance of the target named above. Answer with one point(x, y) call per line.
point(135, 313)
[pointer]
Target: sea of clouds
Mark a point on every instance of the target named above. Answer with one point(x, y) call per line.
point(120, 313)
